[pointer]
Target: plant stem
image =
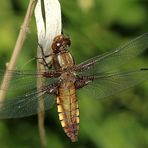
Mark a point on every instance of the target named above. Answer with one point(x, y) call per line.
point(16, 51)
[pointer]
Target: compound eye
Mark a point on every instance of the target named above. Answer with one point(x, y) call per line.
point(55, 47)
point(58, 44)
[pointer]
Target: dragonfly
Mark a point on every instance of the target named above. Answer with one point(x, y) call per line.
point(100, 76)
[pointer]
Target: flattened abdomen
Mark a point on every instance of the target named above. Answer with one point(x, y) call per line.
point(68, 110)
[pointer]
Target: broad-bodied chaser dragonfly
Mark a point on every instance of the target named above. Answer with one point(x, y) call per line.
point(100, 76)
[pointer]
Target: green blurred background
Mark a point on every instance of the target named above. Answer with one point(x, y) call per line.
point(95, 26)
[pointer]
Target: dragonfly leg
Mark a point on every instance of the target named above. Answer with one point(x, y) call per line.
point(43, 58)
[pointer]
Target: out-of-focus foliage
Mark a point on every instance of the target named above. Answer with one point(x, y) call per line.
point(95, 26)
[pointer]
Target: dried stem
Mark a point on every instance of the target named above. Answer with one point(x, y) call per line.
point(41, 112)
point(19, 43)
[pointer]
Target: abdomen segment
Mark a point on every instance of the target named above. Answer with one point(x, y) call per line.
point(68, 110)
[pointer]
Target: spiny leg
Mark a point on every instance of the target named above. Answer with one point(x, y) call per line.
point(43, 58)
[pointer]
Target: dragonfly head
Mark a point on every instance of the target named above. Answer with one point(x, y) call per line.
point(60, 44)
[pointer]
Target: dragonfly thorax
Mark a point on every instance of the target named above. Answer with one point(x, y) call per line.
point(62, 58)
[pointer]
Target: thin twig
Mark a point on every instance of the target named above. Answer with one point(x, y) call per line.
point(19, 43)
point(41, 113)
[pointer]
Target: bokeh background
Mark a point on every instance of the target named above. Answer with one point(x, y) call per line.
point(95, 26)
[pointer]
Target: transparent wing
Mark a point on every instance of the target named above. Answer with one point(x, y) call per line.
point(23, 80)
point(108, 84)
point(114, 59)
point(27, 104)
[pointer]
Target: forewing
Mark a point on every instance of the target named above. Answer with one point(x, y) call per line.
point(23, 81)
point(114, 59)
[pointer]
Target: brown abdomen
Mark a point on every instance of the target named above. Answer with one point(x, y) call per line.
point(68, 110)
